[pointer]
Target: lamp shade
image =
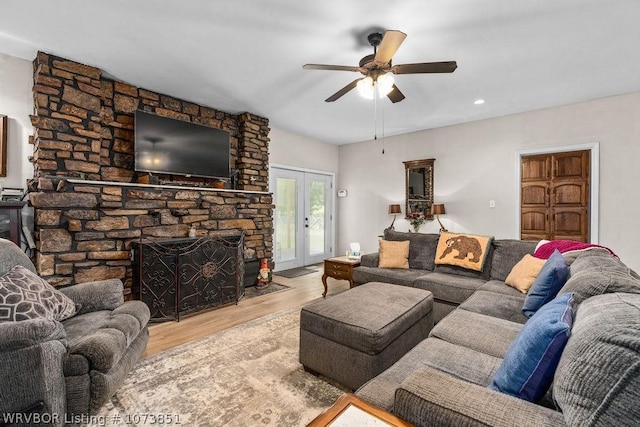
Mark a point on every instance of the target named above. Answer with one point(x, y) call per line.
point(394, 209)
point(438, 209)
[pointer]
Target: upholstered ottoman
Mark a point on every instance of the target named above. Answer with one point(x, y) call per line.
point(353, 336)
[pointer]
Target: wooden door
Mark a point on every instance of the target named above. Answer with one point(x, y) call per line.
point(535, 223)
point(555, 196)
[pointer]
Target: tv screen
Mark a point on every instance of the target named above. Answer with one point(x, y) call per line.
point(166, 145)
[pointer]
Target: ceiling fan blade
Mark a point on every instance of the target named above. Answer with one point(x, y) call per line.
point(330, 67)
point(390, 43)
point(425, 67)
point(395, 95)
point(342, 91)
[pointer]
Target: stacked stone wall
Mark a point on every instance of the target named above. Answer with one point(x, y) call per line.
point(84, 130)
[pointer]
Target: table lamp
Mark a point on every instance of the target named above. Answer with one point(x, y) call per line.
point(438, 209)
point(395, 210)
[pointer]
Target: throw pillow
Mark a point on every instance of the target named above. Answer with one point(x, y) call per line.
point(463, 250)
point(24, 295)
point(394, 254)
point(524, 273)
point(528, 366)
point(551, 278)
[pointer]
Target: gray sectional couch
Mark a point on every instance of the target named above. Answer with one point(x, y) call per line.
point(444, 379)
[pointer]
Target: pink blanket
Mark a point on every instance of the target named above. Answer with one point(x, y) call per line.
point(545, 250)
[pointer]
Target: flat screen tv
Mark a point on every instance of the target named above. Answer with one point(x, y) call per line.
point(169, 146)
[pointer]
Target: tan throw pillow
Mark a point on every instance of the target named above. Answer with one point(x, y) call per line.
point(394, 254)
point(463, 250)
point(524, 273)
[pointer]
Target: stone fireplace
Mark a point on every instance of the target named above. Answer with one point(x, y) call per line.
point(90, 204)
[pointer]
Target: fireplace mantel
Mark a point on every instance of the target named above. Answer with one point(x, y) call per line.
point(156, 186)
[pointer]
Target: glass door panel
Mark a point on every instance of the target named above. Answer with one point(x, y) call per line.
point(286, 214)
point(302, 217)
point(317, 217)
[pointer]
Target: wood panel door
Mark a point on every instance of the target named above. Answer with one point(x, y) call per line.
point(554, 200)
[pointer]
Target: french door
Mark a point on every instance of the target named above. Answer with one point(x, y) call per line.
point(303, 218)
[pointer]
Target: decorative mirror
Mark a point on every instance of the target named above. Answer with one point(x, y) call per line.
point(419, 187)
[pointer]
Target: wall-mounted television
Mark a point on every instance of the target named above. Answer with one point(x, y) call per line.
point(170, 146)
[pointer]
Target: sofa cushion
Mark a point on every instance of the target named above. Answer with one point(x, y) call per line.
point(422, 247)
point(500, 306)
point(404, 277)
point(499, 287)
point(524, 273)
point(393, 254)
point(370, 260)
point(551, 278)
point(598, 378)
point(594, 259)
point(459, 361)
point(464, 328)
point(530, 363)
point(447, 287)
point(506, 254)
point(463, 250)
point(601, 280)
point(24, 295)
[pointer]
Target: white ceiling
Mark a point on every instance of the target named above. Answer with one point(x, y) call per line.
point(247, 55)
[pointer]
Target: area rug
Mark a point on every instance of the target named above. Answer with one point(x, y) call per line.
point(295, 272)
point(244, 376)
point(253, 291)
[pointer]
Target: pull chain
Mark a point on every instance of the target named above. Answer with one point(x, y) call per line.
point(375, 115)
point(382, 108)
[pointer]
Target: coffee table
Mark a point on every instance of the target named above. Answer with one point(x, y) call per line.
point(350, 410)
point(340, 268)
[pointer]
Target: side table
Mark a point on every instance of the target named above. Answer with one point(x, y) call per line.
point(340, 268)
point(350, 410)
point(11, 220)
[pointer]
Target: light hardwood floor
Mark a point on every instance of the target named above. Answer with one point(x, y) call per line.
point(303, 290)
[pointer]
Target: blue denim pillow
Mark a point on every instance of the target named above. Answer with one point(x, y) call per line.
point(550, 280)
point(528, 367)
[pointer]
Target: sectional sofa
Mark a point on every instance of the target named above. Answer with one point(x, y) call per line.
point(448, 378)
point(450, 285)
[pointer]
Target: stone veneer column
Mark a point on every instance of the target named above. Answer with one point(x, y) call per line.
point(84, 129)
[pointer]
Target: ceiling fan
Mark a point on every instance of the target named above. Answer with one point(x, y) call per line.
point(375, 67)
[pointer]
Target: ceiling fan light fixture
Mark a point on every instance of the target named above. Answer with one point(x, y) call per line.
point(367, 87)
point(385, 85)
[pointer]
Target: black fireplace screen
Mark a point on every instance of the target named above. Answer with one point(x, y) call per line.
point(182, 276)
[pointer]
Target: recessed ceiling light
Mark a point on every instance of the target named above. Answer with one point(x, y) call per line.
point(479, 101)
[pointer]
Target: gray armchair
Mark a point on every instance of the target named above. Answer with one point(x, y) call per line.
point(76, 365)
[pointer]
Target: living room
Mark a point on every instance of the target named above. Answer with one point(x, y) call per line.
point(476, 171)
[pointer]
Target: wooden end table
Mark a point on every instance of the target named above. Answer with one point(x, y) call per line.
point(340, 268)
point(350, 410)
